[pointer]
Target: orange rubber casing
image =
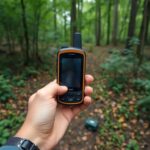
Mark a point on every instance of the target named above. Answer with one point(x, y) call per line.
point(76, 51)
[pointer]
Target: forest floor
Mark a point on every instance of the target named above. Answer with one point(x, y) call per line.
point(115, 131)
point(120, 128)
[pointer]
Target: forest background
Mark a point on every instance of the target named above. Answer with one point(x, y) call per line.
point(116, 36)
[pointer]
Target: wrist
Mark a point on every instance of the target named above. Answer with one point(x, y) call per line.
point(22, 143)
point(30, 134)
point(39, 139)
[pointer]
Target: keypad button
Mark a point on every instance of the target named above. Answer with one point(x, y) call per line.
point(79, 93)
point(78, 99)
point(70, 99)
point(71, 96)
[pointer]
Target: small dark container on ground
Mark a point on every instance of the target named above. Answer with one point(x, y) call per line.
point(91, 124)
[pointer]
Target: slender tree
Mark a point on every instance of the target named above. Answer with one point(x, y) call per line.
point(8, 36)
point(115, 23)
point(37, 7)
point(140, 47)
point(65, 26)
point(98, 22)
point(132, 22)
point(55, 16)
point(79, 16)
point(73, 24)
point(124, 21)
point(25, 28)
point(148, 23)
point(108, 21)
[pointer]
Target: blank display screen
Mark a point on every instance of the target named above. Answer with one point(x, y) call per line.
point(71, 68)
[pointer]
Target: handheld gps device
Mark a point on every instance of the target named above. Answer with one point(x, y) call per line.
point(71, 64)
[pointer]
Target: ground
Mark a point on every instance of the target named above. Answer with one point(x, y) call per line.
point(119, 125)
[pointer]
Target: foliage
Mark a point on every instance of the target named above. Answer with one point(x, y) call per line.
point(89, 47)
point(9, 126)
point(125, 111)
point(134, 41)
point(5, 89)
point(118, 64)
point(144, 69)
point(118, 68)
point(7, 73)
point(144, 106)
point(124, 71)
point(133, 145)
point(141, 85)
point(30, 71)
point(118, 84)
point(145, 102)
point(18, 81)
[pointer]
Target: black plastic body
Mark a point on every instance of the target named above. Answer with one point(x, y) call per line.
point(71, 64)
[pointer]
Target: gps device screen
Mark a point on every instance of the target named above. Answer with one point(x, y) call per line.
point(71, 70)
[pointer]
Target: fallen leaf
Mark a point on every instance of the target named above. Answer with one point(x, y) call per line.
point(132, 135)
point(98, 141)
point(146, 125)
point(134, 121)
point(84, 138)
point(121, 119)
point(131, 108)
point(124, 125)
point(131, 102)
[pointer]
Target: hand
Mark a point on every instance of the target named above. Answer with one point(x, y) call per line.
point(47, 121)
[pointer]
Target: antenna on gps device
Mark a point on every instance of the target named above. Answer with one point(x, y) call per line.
point(77, 40)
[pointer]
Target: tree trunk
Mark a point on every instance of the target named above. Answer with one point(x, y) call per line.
point(26, 36)
point(132, 23)
point(108, 21)
point(65, 27)
point(147, 25)
point(73, 27)
point(98, 22)
point(13, 41)
point(140, 48)
point(80, 8)
point(124, 21)
point(55, 18)
point(8, 38)
point(115, 23)
point(36, 34)
point(37, 40)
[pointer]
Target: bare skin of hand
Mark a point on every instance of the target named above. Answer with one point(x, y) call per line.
point(46, 120)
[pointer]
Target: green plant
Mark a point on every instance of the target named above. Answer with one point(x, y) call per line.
point(30, 72)
point(133, 145)
point(118, 64)
point(118, 69)
point(5, 89)
point(89, 48)
point(7, 73)
point(145, 70)
point(142, 85)
point(116, 138)
point(124, 110)
point(8, 127)
point(134, 41)
point(18, 81)
point(144, 106)
point(145, 102)
point(117, 84)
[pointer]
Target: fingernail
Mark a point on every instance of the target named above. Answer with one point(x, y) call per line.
point(64, 87)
